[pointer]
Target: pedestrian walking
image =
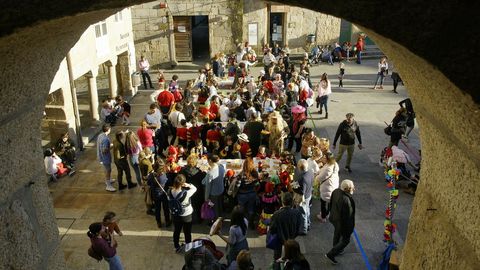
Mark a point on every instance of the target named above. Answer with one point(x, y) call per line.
point(381, 73)
point(396, 79)
point(105, 156)
point(144, 66)
point(342, 216)
point(347, 130)
point(359, 47)
point(341, 73)
point(324, 89)
point(101, 247)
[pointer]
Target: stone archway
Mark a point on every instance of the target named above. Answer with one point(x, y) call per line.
point(443, 230)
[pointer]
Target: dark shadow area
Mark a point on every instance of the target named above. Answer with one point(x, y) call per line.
point(200, 40)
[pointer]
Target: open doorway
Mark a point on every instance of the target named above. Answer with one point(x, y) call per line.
point(200, 40)
point(276, 29)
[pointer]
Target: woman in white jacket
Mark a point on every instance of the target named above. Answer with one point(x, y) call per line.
point(329, 181)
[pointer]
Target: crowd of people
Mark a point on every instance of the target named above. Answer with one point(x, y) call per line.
point(176, 155)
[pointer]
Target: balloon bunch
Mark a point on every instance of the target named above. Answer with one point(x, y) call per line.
point(391, 176)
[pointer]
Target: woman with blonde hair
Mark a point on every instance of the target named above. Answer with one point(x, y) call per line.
point(278, 131)
point(329, 181)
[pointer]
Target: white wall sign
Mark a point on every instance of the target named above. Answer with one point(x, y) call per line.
point(252, 34)
point(182, 29)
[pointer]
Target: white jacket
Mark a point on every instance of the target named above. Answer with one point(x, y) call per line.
point(51, 164)
point(330, 174)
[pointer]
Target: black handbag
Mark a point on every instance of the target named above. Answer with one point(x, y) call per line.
point(388, 130)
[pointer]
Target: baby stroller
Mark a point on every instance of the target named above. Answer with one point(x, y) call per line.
point(202, 254)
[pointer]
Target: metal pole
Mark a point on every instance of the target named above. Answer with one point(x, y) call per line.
point(73, 90)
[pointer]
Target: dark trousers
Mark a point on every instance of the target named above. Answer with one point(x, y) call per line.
point(298, 143)
point(277, 254)
point(174, 134)
point(324, 208)
point(122, 166)
point(340, 240)
point(395, 84)
point(145, 76)
point(180, 223)
point(160, 203)
point(218, 205)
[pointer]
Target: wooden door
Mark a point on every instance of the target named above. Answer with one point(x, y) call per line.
point(183, 38)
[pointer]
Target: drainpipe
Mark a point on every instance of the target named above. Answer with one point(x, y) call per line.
point(73, 90)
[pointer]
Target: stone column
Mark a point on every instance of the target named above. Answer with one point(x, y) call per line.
point(92, 90)
point(112, 77)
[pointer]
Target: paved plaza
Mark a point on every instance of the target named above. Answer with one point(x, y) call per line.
point(82, 199)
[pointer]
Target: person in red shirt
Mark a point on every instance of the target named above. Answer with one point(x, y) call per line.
point(245, 150)
point(165, 101)
point(214, 136)
point(182, 133)
point(193, 134)
point(360, 47)
point(214, 108)
point(145, 135)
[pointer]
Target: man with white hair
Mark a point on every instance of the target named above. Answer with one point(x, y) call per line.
point(342, 216)
point(304, 177)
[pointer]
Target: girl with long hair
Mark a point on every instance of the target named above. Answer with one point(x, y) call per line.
point(134, 147)
point(237, 236)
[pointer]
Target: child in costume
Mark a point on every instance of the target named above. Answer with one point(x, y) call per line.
point(270, 203)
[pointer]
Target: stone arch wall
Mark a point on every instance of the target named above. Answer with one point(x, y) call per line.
point(444, 227)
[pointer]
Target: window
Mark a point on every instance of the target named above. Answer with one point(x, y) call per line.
point(101, 29)
point(118, 16)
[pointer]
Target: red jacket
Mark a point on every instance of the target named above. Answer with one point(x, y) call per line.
point(245, 150)
point(193, 134)
point(165, 99)
point(182, 133)
point(213, 135)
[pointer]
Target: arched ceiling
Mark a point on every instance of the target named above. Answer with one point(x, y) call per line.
point(442, 32)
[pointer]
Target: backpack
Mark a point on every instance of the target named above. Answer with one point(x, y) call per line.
point(175, 203)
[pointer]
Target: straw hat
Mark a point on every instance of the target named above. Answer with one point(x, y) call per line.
point(243, 137)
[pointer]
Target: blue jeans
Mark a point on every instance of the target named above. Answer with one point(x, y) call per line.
point(114, 263)
point(380, 77)
point(136, 169)
point(323, 102)
point(306, 208)
point(359, 57)
point(247, 201)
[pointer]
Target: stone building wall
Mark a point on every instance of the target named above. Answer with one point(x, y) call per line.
point(302, 22)
point(298, 23)
point(153, 27)
point(228, 26)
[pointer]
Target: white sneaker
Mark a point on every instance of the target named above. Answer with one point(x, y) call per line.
point(110, 188)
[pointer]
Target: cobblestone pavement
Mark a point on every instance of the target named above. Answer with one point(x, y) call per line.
point(82, 199)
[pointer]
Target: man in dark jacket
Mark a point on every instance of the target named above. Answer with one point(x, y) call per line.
point(347, 131)
point(253, 129)
point(342, 216)
point(285, 223)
